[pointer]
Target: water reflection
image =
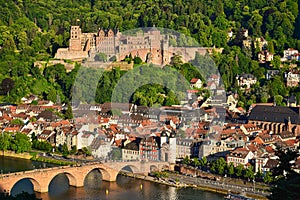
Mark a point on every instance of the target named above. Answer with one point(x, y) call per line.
point(8, 164)
point(93, 180)
point(22, 185)
point(124, 188)
point(58, 186)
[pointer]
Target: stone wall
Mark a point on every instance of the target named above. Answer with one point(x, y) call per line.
point(109, 66)
point(65, 53)
point(42, 64)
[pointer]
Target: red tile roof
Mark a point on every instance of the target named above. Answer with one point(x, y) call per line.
point(194, 80)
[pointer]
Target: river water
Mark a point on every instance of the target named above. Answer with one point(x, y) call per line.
point(9, 164)
point(94, 188)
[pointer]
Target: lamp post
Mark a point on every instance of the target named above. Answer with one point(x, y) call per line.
point(253, 185)
point(195, 168)
point(2, 139)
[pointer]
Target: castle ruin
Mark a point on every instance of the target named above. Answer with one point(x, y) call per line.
point(150, 45)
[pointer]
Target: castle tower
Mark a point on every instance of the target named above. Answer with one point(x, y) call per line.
point(75, 38)
point(165, 50)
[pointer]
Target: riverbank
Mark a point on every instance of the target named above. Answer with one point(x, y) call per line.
point(151, 179)
point(52, 161)
point(212, 186)
point(13, 154)
point(34, 157)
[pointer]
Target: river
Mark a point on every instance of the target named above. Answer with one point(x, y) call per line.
point(9, 164)
point(124, 188)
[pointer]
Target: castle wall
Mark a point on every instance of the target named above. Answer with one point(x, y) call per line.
point(150, 46)
point(65, 53)
point(109, 66)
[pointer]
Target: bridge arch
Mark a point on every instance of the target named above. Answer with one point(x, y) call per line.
point(106, 175)
point(71, 177)
point(154, 168)
point(36, 184)
point(132, 168)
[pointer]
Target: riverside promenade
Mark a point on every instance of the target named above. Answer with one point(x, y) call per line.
point(223, 187)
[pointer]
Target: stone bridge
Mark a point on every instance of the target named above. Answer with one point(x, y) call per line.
point(41, 178)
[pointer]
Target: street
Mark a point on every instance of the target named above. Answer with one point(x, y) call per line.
point(217, 184)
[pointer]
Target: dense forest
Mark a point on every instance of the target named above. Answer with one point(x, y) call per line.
point(34, 30)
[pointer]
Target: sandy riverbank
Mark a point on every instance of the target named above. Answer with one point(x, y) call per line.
point(16, 155)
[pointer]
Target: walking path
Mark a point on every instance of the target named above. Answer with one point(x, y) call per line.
point(224, 187)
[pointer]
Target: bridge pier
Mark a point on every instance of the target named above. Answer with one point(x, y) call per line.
point(42, 189)
point(78, 185)
point(111, 176)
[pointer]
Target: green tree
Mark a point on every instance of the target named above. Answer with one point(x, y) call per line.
point(249, 173)
point(271, 48)
point(5, 140)
point(186, 160)
point(239, 170)
point(86, 151)
point(287, 188)
point(116, 154)
point(31, 32)
point(219, 166)
point(64, 150)
point(285, 164)
point(137, 60)
point(230, 169)
point(255, 23)
point(203, 162)
point(176, 60)
point(73, 150)
point(259, 175)
point(41, 145)
point(69, 113)
point(278, 100)
point(6, 86)
point(268, 178)
point(21, 143)
point(276, 62)
point(286, 185)
point(33, 119)
point(196, 162)
point(101, 57)
point(17, 122)
point(52, 95)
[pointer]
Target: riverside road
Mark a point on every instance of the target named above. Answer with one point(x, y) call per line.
point(220, 185)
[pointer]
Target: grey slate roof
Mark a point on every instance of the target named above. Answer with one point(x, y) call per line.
point(278, 114)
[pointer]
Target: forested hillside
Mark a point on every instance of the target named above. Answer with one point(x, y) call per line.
point(33, 30)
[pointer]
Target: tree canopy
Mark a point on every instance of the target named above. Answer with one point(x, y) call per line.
point(32, 31)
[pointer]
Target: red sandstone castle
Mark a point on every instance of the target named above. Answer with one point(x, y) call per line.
point(149, 44)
